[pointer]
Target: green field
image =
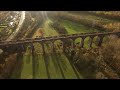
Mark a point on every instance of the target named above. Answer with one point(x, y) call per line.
point(73, 28)
point(53, 65)
point(58, 65)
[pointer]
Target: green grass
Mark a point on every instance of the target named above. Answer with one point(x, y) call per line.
point(73, 28)
point(94, 17)
point(53, 68)
point(27, 67)
point(49, 31)
point(41, 73)
point(1, 29)
point(53, 59)
point(68, 71)
point(66, 67)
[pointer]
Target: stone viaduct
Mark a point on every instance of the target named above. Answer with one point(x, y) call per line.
point(19, 45)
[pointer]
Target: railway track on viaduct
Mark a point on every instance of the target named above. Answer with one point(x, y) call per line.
point(4, 45)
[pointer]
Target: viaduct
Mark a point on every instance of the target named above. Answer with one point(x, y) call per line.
point(19, 45)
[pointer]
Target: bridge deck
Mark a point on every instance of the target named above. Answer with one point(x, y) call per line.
point(52, 38)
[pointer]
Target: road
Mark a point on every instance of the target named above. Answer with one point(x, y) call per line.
point(22, 18)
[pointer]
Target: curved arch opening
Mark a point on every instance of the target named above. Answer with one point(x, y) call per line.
point(106, 38)
point(38, 48)
point(47, 47)
point(86, 42)
point(67, 43)
point(78, 43)
point(95, 42)
point(58, 45)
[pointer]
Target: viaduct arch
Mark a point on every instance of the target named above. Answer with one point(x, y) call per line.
point(19, 45)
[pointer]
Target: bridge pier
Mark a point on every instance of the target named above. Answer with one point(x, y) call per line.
point(45, 59)
point(82, 42)
point(63, 45)
point(73, 42)
point(118, 34)
point(53, 46)
point(20, 48)
point(33, 61)
point(91, 41)
point(43, 48)
point(100, 40)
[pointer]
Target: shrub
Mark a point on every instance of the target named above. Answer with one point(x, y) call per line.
point(105, 60)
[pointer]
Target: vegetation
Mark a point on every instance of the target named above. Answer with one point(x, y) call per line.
point(105, 60)
point(56, 63)
point(60, 29)
point(88, 20)
point(7, 66)
point(107, 14)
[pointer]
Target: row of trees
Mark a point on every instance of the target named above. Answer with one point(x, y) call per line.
point(61, 30)
point(95, 63)
point(113, 15)
point(89, 21)
point(107, 14)
point(32, 22)
point(5, 28)
point(37, 20)
point(99, 63)
point(7, 64)
point(58, 27)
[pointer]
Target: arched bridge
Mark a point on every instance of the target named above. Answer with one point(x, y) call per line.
point(20, 44)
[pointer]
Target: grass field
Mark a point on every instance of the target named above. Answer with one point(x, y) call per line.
point(55, 64)
point(73, 28)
